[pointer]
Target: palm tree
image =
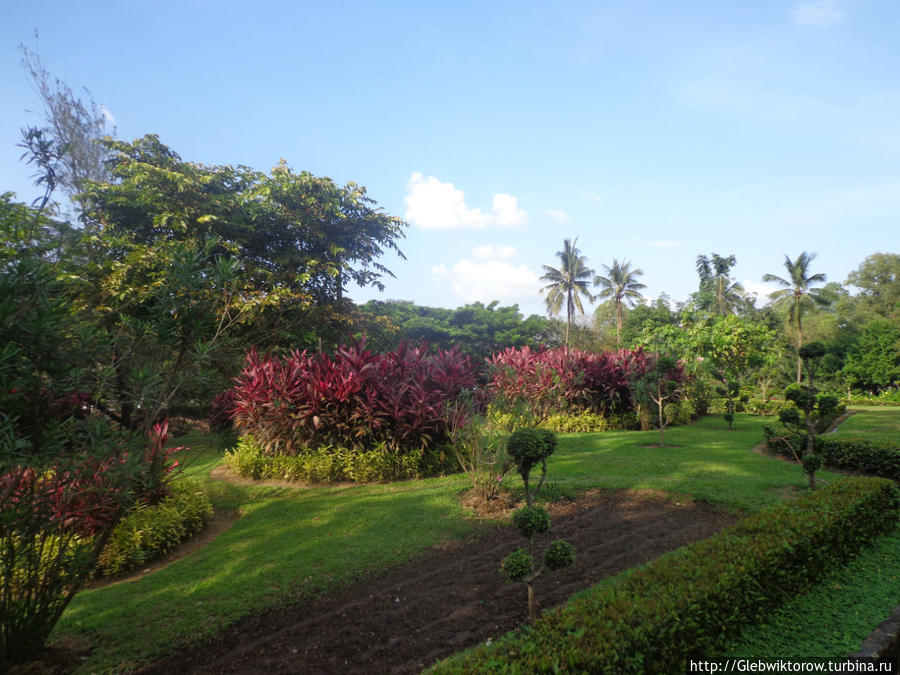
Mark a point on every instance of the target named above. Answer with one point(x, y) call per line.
point(797, 293)
point(620, 284)
point(568, 283)
point(717, 291)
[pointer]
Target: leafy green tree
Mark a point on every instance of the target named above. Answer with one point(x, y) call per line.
point(798, 294)
point(660, 383)
point(878, 281)
point(568, 283)
point(479, 330)
point(873, 362)
point(622, 287)
point(645, 321)
point(66, 475)
point(735, 346)
point(718, 292)
point(181, 259)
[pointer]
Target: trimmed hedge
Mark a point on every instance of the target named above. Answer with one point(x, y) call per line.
point(845, 454)
point(689, 602)
point(149, 532)
point(331, 464)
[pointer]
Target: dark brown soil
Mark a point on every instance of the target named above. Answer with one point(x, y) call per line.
point(406, 618)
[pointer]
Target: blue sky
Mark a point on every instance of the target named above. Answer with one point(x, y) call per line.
point(652, 131)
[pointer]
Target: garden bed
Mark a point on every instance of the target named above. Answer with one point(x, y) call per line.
point(453, 597)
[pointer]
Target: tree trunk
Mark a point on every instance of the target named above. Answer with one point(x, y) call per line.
point(659, 404)
point(799, 341)
point(618, 323)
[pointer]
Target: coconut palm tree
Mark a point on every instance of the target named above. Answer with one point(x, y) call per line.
point(621, 285)
point(717, 290)
point(568, 283)
point(797, 293)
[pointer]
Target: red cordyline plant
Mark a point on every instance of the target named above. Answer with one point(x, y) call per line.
point(352, 398)
point(55, 520)
point(560, 379)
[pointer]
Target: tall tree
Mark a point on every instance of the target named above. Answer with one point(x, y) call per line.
point(797, 294)
point(878, 280)
point(568, 283)
point(75, 126)
point(718, 292)
point(621, 285)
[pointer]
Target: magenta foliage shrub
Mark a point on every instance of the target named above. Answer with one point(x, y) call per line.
point(567, 379)
point(220, 411)
point(351, 399)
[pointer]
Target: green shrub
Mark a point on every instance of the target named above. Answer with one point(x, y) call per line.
point(586, 421)
point(327, 465)
point(679, 414)
point(689, 602)
point(886, 398)
point(578, 422)
point(149, 532)
point(842, 454)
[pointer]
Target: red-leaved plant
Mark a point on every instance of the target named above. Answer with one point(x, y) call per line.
point(352, 398)
point(55, 519)
point(560, 379)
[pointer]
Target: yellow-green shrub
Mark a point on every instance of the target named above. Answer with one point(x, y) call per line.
point(149, 532)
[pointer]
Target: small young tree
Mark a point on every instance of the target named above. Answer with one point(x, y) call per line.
point(817, 410)
point(661, 381)
point(528, 448)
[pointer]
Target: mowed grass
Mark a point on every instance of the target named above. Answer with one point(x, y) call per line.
point(876, 424)
point(293, 543)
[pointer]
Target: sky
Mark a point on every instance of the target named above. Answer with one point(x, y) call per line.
point(652, 131)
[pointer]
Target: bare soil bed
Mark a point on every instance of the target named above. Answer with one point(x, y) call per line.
point(406, 618)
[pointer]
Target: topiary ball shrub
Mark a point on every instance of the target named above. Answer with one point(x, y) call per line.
point(517, 565)
point(559, 555)
point(531, 520)
point(528, 447)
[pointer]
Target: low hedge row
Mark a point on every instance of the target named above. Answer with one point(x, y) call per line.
point(149, 532)
point(844, 454)
point(333, 464)
point(688, 603)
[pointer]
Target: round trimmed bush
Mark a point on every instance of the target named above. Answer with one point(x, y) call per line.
point(531, 521)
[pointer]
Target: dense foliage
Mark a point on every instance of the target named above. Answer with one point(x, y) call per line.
point(353, 398)
point(560, 379)
point(150, 531)
point(689, 602)
point(843, 454)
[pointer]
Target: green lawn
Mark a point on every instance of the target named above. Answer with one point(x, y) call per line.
point(294, 543)
point(877, 424)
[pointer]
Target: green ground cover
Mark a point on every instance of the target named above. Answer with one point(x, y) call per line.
point(875, 424)
point(293, 543)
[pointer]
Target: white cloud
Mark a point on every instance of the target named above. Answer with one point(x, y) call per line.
point(491, 252)
point(595, 197)
point(435, 205)
point(558, 215)
point(490, 280)
point(760, 289)
point(817, 14)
